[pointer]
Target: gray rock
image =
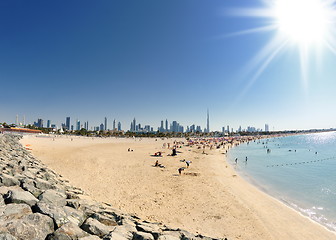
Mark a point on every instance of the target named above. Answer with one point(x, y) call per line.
point(29, 185)
point(124, 231)
point(148, 227)
point(68, 231)
point(176, 234)
point(14, 211)
point(53, 197)
point(168, 237)
point(7, 180)
point(107, 220)
point(74, 203)
point(43, 184)
point(20, 196)
point(94, 227)
point(115, 236)
point(32, 226)
point(56, 213)
point(187, 235)
point(2, 202)
point(61, 215)
point(75, 216)
point(142, 236)
point(7, 236)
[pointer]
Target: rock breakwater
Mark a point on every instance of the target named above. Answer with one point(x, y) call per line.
point(37, 203)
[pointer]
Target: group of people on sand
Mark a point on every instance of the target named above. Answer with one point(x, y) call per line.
point(183, 168)
point(173, 147)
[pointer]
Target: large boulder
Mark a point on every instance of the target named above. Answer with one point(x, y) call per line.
point(8, 180)
point(61, 215)
point(7, 236)
point(94, 227)
point(168, 237)
point(20, 196)
point(14, 211)
point(31, 226)
point(53, 197)
point(68, 231)
point(142, 236)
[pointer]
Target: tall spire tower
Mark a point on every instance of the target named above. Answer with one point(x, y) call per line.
point(208, 123)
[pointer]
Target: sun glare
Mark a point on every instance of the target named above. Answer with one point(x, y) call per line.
point(310, 25)
point(302, 21)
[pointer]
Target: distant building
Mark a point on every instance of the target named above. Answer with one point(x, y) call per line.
point(133, 125)
point(161, 129)
point(67, 123)
point(78, 125)
point(208, 122)
point(48, 124)
point(105, 125)
point(40, 123)
point(266, 128)
point(174, 127)
point(114, 124)
point(101, 127)
point(119, 126)
point(167, 126)
point(192, 128)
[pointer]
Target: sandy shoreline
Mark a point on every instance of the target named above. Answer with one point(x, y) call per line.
point(209, 198)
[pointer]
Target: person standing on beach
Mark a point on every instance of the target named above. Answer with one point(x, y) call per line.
point(236, 160)
point(180, 170)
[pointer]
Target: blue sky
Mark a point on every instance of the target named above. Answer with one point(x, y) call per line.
point(154, 60)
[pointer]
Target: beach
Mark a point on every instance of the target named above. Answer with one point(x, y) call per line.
point(208, 197)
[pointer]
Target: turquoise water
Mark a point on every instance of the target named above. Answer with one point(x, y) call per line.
point(299, 170)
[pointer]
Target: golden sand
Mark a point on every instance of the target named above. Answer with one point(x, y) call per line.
point(208, 198)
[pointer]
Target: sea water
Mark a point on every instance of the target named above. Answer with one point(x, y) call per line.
point(299, 170)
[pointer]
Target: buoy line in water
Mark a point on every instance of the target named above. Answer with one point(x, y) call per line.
point(298, 163)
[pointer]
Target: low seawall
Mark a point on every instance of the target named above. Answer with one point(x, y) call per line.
point(37, 203)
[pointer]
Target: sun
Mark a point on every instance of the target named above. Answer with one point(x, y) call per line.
point(308, 25)
point(304, 22)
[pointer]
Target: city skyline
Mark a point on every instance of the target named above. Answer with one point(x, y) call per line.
point(135, 126)
point(171, 58)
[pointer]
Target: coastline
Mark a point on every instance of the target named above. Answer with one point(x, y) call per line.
point(216, 201)
point(279, 196)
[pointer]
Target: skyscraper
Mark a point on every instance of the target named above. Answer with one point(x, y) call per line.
point(119, 126)
point(78, 125)
point(266, 128)
point(105, 125)
point(167, 125)
point(40, 123)
point(133, 125)
point(114, 124)
point(48, 124)
point(208, 123)
point(67, 123)
point(161, 129)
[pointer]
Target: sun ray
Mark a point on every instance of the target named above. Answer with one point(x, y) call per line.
point(251, 31)
point(262, 61)
point(308, 25)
